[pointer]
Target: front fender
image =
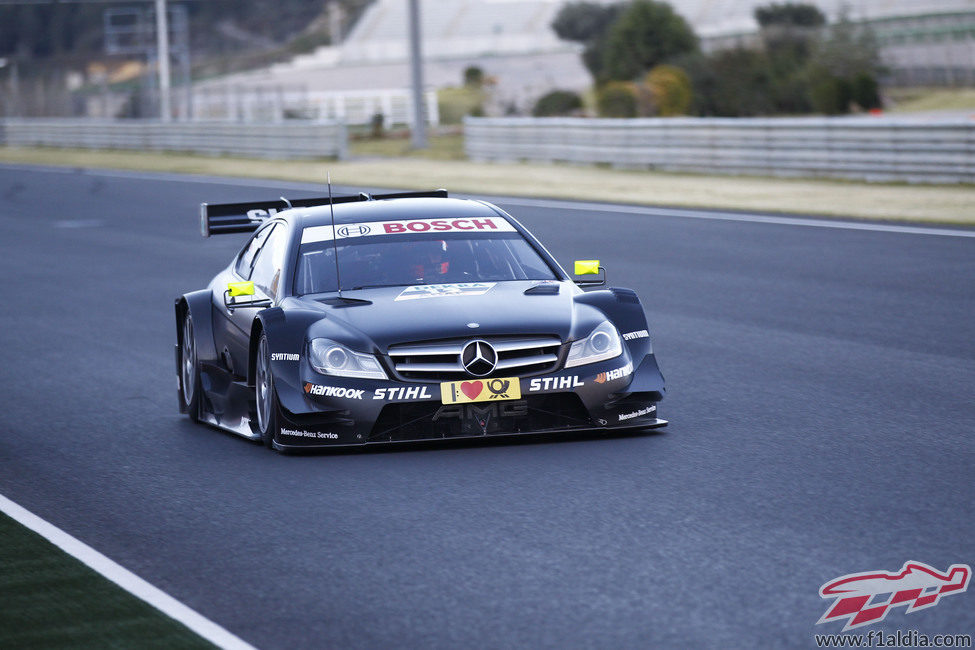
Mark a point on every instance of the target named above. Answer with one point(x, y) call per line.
point(285, 331)
point(624, 309)
point(198, 305)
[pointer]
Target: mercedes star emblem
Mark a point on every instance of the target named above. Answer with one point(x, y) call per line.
point(479, 358)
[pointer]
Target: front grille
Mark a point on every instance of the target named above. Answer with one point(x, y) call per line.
point(432, 421)
point(441, 360)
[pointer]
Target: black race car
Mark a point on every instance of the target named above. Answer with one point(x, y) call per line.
point(402, 317)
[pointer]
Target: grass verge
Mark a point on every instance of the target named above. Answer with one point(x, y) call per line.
point(912, 100)
point(953, 204)
point(442, 147)
point(48, 599)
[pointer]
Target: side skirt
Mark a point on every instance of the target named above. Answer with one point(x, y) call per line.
point(241, 428)
point(225, 403)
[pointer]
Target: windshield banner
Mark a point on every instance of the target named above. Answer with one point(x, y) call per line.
point(406, 227)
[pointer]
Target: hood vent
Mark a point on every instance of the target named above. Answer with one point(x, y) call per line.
point(544, 289)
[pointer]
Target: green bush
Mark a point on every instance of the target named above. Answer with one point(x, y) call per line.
point(454, 103)
point(730, 83)
point(616, 99)
point(866, 93)
point(557, 102)
point(789, 94)
point(670, 90)
point(831, 95)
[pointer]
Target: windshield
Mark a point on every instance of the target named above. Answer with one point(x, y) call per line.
point(412, 259)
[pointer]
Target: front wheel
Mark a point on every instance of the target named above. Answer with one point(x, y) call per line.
point(189, 371)
point(265, 397)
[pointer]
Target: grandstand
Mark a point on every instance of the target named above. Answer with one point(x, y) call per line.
point(510, 40)
point(454, 28)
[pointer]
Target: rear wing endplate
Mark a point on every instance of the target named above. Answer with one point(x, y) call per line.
point(227, 218)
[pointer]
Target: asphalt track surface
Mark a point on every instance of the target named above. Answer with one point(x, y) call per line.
point(822, 417)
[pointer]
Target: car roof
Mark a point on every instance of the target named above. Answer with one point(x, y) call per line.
point(392, 210)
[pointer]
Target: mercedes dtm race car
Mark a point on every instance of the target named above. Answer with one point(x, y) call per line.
point(402, 317)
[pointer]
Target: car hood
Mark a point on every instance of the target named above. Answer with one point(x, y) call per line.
point(405, 315)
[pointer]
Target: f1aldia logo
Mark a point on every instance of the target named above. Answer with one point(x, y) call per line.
point(865, 598)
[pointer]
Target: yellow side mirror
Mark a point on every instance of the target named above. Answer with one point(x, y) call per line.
point(587, 267)
point(241, 288)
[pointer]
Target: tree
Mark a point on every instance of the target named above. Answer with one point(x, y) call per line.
point(844, 68)
point(799, 15)
point(789, 32)
point(473, 76)
point(645, 35)
point(587, 23)
point(584, 22)
point(848, 49)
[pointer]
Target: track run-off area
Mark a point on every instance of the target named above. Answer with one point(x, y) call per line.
point(821, 395)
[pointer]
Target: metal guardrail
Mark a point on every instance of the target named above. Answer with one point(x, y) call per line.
point(862, 148)
point(276, 141)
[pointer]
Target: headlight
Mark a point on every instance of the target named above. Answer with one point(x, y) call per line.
point(601, 344)
point(331, 358)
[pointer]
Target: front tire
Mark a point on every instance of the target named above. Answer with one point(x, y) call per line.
point(189, 370)
point(268, 422)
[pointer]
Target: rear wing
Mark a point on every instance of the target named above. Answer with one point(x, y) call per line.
point(227, 218)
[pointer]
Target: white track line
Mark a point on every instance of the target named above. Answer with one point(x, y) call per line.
point(125, 578)
point(717, 215)
point(682, 213)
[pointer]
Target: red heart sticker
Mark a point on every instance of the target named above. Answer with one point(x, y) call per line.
point(471, 388)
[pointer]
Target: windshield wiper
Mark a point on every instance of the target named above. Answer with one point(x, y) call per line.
point(343, 301)
point(384, 286)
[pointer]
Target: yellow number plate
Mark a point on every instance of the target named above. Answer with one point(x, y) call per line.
point(480, 390)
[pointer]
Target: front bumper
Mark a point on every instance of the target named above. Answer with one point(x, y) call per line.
point(336, 412)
